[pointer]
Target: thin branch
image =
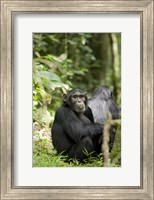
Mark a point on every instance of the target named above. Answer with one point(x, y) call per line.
point(106, 137)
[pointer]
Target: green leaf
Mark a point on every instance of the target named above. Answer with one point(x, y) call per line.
point(49, 76)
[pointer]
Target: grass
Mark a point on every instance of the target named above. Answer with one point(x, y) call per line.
point(46, 160)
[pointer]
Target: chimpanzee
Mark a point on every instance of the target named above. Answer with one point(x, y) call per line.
point(72, 131)
point(100, 104)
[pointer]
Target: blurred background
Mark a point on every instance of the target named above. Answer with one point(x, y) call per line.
point(64, 61)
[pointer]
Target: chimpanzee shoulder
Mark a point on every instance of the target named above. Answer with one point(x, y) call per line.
point(64, 113)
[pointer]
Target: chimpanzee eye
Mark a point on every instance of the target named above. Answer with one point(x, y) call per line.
point(75, 96)
point(81, 96)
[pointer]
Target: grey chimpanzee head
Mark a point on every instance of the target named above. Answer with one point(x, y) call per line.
point(103, 92)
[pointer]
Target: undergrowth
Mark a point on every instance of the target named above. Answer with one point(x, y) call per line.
point(44, 154)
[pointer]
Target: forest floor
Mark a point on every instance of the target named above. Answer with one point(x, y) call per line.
point(44, 154)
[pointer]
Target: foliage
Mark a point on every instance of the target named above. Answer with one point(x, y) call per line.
point(63, 61)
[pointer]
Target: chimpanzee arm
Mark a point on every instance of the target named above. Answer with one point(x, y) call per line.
point(75, 128)
point(113, 108)
point(88, 113)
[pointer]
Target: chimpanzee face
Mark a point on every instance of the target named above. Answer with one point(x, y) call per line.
point(78, 101)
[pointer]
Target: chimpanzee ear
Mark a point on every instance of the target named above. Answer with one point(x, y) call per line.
point(111, 94)
point(85, 93)
point(65, 97)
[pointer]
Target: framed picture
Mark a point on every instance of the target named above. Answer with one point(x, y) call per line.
point(20, 23)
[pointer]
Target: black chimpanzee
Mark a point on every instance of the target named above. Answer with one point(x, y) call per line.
point(72, 131)
point(101, 103)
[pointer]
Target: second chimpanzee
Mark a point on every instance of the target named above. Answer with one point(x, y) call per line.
point(101, 104)
point(72, 131)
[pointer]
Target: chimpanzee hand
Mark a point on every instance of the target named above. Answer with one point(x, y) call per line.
point(98, 130)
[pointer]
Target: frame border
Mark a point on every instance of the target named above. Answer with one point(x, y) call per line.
point(8, 10)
